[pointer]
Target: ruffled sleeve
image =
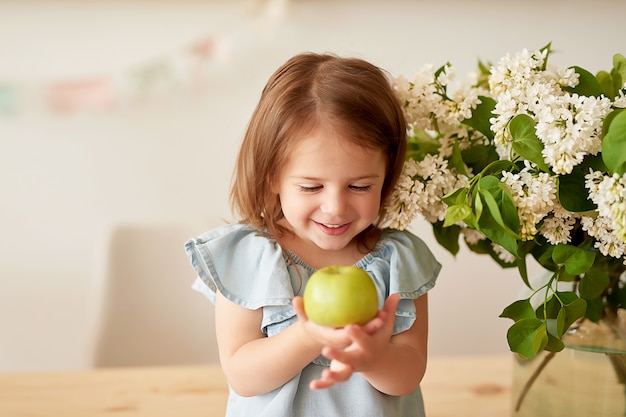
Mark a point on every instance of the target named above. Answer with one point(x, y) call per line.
point(403, 264)
point(246, 267)
point(252, 271)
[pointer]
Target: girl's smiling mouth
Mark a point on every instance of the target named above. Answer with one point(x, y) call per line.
point(333, 229)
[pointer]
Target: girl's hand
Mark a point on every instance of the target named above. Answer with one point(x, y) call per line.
point(327, 336)
point(320, 335)
point(365, 344)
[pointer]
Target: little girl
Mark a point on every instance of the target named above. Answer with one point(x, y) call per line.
point(323, 150)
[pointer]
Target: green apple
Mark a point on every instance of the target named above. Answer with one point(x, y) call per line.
point(338, 295)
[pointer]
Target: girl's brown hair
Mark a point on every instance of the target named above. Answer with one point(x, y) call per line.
point(310, 89)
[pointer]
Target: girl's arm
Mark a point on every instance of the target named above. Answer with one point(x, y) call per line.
point(255, 364)
point(401, 367)
point(394, 364)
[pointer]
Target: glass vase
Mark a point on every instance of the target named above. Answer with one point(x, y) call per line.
point(587, 378)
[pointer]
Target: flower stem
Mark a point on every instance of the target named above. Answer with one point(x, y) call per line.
point(532, 379)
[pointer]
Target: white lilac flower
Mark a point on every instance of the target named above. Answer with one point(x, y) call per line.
point(420, 98)
point(502, 253)
point(566, 77)
point(601, 229)
point(569, 125)
point(609, 194)
point(557, 226)
point(429, 106)
point(466, 98)
point(534, 195)
point(420, 189)
point(452, 132)
point(620, 100)
point(505, 109)
point(446, 76)
point(570, 128)
point(401, 207)
point(472, 236)
point(511, 72)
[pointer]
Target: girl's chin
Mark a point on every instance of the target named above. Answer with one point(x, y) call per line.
point(333, 243)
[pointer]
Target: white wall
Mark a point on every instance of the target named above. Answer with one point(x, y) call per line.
point(69, 182)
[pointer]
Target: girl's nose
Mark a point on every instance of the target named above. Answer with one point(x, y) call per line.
point(334, 203)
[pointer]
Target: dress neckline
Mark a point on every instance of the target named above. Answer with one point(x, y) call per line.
point(361, 262)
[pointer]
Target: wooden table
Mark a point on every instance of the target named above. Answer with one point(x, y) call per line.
point(453, 386)
point(468, 386)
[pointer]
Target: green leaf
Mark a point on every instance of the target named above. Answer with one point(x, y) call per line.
point(523, 249)
point(448, 237)
point(569, 313)
point(606, 82)
point(613, 82)
point(520, 309)
point(456, 159)
point(566, 297)
point(606, 124)
point(479, 156)
point(554, 344)
point(471, 222)
point(420, 144)
point(496, 167)
point(501, 204)
point(549, 309)
point(595, 309)
point(618, 72)
point(588, 85)
point(525, 142)
point(614, 145)
point(576, 261)
point(564, 276)
point(440, 70)
point(478, 207)
point(572, 193)
point(490, 203)
point(593, 161)
point(496, 233)
point(458, 196)
point(484, 247)
point(527, 337)
point(552, 327)
point(456, 213)
point(481, 115)
point(543, 254)
point(593, 284)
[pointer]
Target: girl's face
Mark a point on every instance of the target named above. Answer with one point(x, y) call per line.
point(330, 191)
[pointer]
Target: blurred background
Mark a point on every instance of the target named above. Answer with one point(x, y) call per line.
point(119, 125)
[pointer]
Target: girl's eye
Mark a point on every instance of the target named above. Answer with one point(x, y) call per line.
point(360, 188)
point(310, 189)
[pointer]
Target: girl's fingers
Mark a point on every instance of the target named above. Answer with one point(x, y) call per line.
point(298, 306)
point(324, 335)
point(391, 304)
point(375, 324)
point(355, 355)
point(337, 373)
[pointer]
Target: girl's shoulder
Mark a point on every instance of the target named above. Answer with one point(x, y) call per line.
point(401, 245)
point(401, 263)
point(245, 264)
point(233, 237)
point(405, 262)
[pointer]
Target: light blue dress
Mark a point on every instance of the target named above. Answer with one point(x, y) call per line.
point(253, 271)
